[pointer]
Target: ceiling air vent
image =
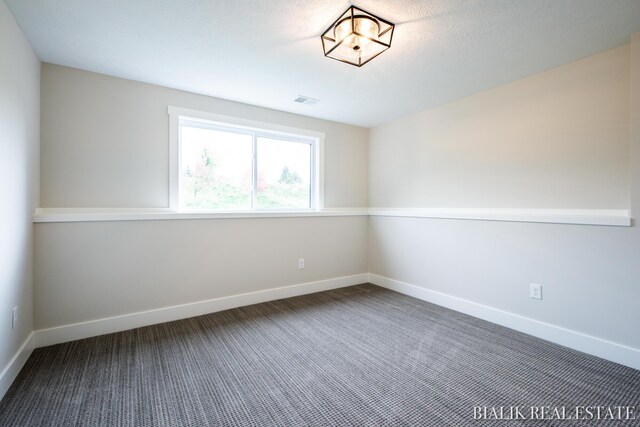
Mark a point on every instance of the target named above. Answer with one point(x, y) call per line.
point(306, 100)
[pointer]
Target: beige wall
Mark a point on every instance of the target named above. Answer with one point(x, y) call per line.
point(560, 139)
point(105, 142)
point(19, 135)
point(93, 270)
point(634, 162)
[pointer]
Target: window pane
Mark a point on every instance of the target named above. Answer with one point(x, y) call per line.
point(216, 169)
point(283, 174)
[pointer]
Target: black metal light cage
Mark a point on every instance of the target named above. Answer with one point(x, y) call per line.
point(331, 46)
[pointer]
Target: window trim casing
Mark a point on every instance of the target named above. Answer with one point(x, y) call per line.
point(252, 126)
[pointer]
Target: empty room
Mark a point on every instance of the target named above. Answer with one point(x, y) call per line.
point(319, 213)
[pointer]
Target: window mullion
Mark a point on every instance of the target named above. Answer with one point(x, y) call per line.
point(254, 173)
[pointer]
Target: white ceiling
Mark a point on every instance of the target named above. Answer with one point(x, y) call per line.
point(267, 52)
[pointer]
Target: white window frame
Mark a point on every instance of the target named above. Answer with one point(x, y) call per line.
point(255, 128)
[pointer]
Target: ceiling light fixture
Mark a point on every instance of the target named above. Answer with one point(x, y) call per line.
point(357, 37)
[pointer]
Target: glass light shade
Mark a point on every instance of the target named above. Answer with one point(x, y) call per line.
point(356, 33)
point(357, 37)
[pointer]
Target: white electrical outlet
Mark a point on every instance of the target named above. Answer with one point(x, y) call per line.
point(14, 317)
point(535, 291)
point(301, 263)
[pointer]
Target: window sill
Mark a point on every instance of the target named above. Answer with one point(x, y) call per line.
point(44, 215)
point(607, 217)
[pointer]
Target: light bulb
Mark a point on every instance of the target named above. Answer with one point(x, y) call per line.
point(364, 25)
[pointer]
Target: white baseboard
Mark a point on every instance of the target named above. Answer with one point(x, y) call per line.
point(614, 352)
point(76, 331)
point(10, 372)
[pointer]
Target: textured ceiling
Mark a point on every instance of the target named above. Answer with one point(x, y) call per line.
point(267, 52)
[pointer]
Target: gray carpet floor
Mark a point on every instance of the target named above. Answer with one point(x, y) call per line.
point(361, 356)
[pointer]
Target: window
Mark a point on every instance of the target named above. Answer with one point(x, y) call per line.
point(229, 164)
